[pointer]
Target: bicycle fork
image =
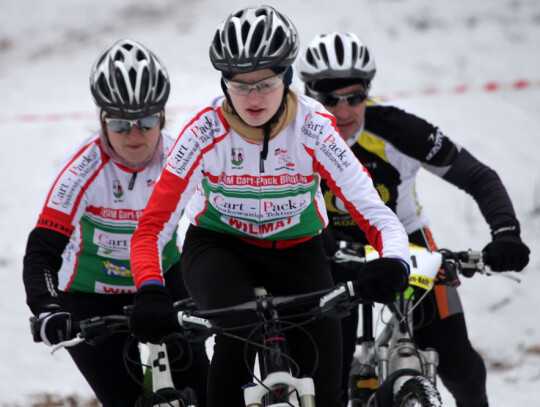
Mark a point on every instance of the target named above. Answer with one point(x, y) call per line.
point(275, 369)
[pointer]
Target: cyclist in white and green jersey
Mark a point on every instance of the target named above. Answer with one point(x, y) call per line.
point(256, 157)
point(77, 258)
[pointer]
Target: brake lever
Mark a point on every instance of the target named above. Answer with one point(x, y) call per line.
point(66, 344)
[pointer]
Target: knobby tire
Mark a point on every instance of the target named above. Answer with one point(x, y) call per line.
point(418, 392)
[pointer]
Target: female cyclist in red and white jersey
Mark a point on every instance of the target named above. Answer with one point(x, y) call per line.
point(255, 157)
point(77, 257)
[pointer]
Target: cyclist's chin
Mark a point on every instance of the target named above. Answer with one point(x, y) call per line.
point(348, 130)
point(135, 154)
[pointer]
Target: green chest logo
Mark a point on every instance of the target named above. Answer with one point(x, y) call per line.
point(237, 156)
point(117, 189)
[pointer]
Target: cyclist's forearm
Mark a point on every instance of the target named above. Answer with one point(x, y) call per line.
point(42, 260)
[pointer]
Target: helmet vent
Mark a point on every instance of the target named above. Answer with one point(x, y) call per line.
point(161, 82)
point(119, 56)
point(354, 52)
point(245, 31)
point(219, 48)
point(133, 77)
point(256, 39)
point(324, 54)
point(145, 86)
point(233, 42)
point(103, 87)
point(309, 57)
point(366, 57)
point(338, 45)
point(277, 39)
point(140, 56)
point(121, 86)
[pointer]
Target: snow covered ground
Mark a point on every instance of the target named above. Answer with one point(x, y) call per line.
point(48, 47)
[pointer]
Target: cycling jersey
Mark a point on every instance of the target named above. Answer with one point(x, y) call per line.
point(393, 145)
point(276, 200)
point(97, 203)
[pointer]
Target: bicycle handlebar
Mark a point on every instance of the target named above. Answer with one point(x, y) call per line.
point(471, 260)
point(334, 302)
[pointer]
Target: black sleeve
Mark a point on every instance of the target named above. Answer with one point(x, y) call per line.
point(411, 135)
point(41, 263)
point(485, 186)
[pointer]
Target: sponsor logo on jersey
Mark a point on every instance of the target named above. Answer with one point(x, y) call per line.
point(116, 269)
point(205, 129)
point(115, 245)
point(181, 157)
point(263, 229)
point(113, 289)
point(337, 153)
point(237, 155)
point(117, 189)
point(284, 161)
point(310, 128)
point(70, 183)
point(437, 140)
point(260, 209)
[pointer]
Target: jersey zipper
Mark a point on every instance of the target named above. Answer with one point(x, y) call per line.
point(132, 181)
point(261, 172)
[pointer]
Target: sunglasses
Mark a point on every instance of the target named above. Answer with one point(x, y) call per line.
point(263, 87)
point(123, 126)
point(329, 99)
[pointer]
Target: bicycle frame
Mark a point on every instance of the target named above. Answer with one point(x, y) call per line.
point(389, 368)
point(274, 366)
point(384, 363)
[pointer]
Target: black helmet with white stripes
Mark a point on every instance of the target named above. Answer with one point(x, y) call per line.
point(128, 80)
point(254, 38)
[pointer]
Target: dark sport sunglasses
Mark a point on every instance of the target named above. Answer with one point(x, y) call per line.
point(123, 126)
point(329, 99)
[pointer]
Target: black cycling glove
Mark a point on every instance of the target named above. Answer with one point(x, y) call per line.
point(506, 252)
point(381, 279)
point(153, 316)
point(53, 326)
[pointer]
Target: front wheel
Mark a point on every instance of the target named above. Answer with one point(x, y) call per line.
point(418, 392)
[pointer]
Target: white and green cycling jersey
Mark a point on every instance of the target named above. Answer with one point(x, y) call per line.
point(97, 203)
point(274, 200)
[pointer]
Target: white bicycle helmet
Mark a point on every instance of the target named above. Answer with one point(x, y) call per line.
point(254, 38)
point(336, 55)
point(128, 80)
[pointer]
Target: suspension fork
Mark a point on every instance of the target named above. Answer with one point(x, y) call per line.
point(272, 357)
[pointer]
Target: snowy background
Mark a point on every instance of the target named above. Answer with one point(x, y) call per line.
point(424, 49)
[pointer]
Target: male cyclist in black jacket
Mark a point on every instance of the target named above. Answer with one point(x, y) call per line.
point(337, 70)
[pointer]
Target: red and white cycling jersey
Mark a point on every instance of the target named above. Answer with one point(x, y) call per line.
point(276, 199)
point(98, 203)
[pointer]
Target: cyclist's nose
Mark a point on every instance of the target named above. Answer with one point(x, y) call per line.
point(134, 131)
point(342, 109)
point(254, 95)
